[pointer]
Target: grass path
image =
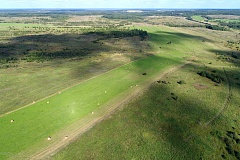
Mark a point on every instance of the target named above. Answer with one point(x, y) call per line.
point(51, 150)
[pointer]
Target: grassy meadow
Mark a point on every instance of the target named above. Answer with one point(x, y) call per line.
point(169, 121)
point(59, 74)
point(198, 18)
point(182, 116)
point(58, 62)
point(69, 106)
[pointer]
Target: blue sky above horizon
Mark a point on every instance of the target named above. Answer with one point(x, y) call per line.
point(187, 4)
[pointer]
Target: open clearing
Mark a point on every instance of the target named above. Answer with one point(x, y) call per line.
point(157, 125)
point(171, 94)
point(74, 104)
point(173, 120)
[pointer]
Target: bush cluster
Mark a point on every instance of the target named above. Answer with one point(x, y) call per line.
point(216, 27)
point(212, 76)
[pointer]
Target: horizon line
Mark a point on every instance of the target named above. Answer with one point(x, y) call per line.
point(118, 8)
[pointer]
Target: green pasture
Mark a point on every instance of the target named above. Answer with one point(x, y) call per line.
point(33, 124)
point(24, 25)
point(172, 120)
point(23, 83)
point(198, 18)
point(157, 126)
point(226, 20)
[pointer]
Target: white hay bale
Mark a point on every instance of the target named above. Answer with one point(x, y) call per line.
point(47, 101)
point(33, 102)
point(98, 104)
point(92, 112)
point(59, 92)
point(49, 138)
point(12, 120)
point(66, 137)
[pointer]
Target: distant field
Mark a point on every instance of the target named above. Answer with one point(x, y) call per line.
point(172, 21)
point(226, 20)
point(225, 16)
point(23, 25)
point(198, 18)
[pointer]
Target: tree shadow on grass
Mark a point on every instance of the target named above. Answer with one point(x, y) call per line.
point(232, 57)
point(177, 37)
point(49, 46)
point(176, 120)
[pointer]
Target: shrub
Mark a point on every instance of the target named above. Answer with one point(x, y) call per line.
point(181, 82)
point(235, 56)
point(230, 150)
point(216, 133)
point(211, 75)
point(238, 141)
point(164, 82)
point(175, 98)
point(237, 154)
point(230, 134)
point(223, 156)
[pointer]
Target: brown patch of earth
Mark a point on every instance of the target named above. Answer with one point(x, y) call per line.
point(200, 86)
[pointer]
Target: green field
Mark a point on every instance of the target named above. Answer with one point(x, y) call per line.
point(157, 126)
point(198, 18)
point(23, 71)
point(22, 25)
point(226, 20)
point(75, 103)
point(62, 81)
point(193, 120)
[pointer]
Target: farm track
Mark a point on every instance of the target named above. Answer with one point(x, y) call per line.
point(54, 148)
point(222, 109)
point(226, 102)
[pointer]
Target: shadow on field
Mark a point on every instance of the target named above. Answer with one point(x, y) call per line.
point(158, 117)
point(49, 46)
point(176, 37)
point(175, 117)
point(228, 56)
point(182, 119)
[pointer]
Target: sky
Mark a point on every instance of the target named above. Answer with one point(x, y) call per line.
point(187, 4)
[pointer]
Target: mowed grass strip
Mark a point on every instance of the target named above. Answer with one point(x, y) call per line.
point(32, 125)
point(157, 125)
